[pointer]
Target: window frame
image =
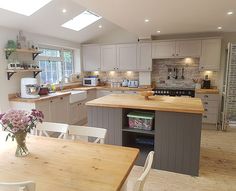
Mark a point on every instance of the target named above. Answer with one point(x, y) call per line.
point(57, 59)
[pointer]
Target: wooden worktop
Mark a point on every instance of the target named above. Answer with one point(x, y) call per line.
point(160, 103)
point(207, 91)
point(41, 98)
point(109, 88)
point(65, 165)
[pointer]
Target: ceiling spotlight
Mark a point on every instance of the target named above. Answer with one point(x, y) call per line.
point(219, 28)
point(230, 13)
point(158, 31)
point(64, 10)
point(100, 26)
point(146, 20)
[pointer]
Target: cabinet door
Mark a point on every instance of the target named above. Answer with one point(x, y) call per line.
point(91, 55)
point(211, 51)
point(73, 113)
point(108, 58)
point(188, 48)
point(44, 106)
point(59, 109)
point(144, 62)
point(164, 49)
point(127, 57)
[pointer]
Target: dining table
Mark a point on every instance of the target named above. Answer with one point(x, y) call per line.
point(66, 165)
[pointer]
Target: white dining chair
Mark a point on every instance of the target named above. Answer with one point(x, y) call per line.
point(18, 186)
point(46, 128)
point(76, 132)
point(138, 184)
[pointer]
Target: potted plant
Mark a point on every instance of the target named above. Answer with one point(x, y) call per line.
point(18, 123)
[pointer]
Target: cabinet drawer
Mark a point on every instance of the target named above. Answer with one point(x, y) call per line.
point(209, 118)
point(211, 97)
point(209, 104)
point(211, 110)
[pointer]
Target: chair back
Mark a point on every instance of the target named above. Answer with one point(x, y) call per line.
point(18, 186)
point(78, 131)
point(139, 184)
point(46, 128)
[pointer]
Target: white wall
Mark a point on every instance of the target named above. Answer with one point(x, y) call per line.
point(13, 85)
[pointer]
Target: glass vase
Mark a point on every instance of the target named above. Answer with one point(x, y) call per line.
point(21, 149)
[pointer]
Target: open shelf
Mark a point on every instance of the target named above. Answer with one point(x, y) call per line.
point(11, 72)
point(34, 53)
point(140, 131)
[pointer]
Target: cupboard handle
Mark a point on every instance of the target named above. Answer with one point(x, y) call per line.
point(206, 109)
point(177, 54)
point(205, 95)
point(173, 54)
point(206, 103)
point(61, 98)
point(51, 101)
point(204, 116)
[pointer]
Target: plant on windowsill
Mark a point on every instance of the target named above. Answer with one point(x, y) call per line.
point(18, 123)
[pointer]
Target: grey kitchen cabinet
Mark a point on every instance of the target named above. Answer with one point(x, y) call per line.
point(91, 56)
point(211, 54)
point(211, 104)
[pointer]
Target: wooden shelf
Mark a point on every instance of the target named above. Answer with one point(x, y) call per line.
point(140, 131)
point(11, 72)
point(34, 53)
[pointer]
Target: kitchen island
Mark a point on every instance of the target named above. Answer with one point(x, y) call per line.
point(176, 135)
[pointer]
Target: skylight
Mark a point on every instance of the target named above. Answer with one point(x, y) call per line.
point(81, 21)
point(24, 7)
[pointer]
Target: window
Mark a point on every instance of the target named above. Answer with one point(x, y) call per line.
point(56, 65)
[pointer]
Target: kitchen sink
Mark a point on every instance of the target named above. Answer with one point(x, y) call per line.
point(76, 96)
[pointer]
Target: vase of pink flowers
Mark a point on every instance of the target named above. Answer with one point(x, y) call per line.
point(18, 123)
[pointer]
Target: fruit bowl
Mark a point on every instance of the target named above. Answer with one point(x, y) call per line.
point(146, 94)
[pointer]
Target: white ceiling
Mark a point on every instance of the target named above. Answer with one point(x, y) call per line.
point(168, 16)
point(48, 21)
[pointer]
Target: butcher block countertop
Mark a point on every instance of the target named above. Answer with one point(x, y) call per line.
point(207, 91)
point(41, 98)
point(109, 88)
point(159, 103)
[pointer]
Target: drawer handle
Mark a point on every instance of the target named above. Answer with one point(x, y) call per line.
point(61, 98)
point(206, 109)
point(206, 96)
point(204, 116)
point(206, 103)
point(51, 101)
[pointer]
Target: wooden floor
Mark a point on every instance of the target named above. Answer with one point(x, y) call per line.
point(217, 167)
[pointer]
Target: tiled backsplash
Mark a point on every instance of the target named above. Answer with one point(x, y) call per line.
point(113, 76)
point(162, 68)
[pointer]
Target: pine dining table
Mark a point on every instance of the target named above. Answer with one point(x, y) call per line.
point(65, 165)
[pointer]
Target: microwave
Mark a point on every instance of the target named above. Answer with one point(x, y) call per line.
point(90, 81)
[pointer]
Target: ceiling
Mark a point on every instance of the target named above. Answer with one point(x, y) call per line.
point(168, 16)
point(48, 21)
